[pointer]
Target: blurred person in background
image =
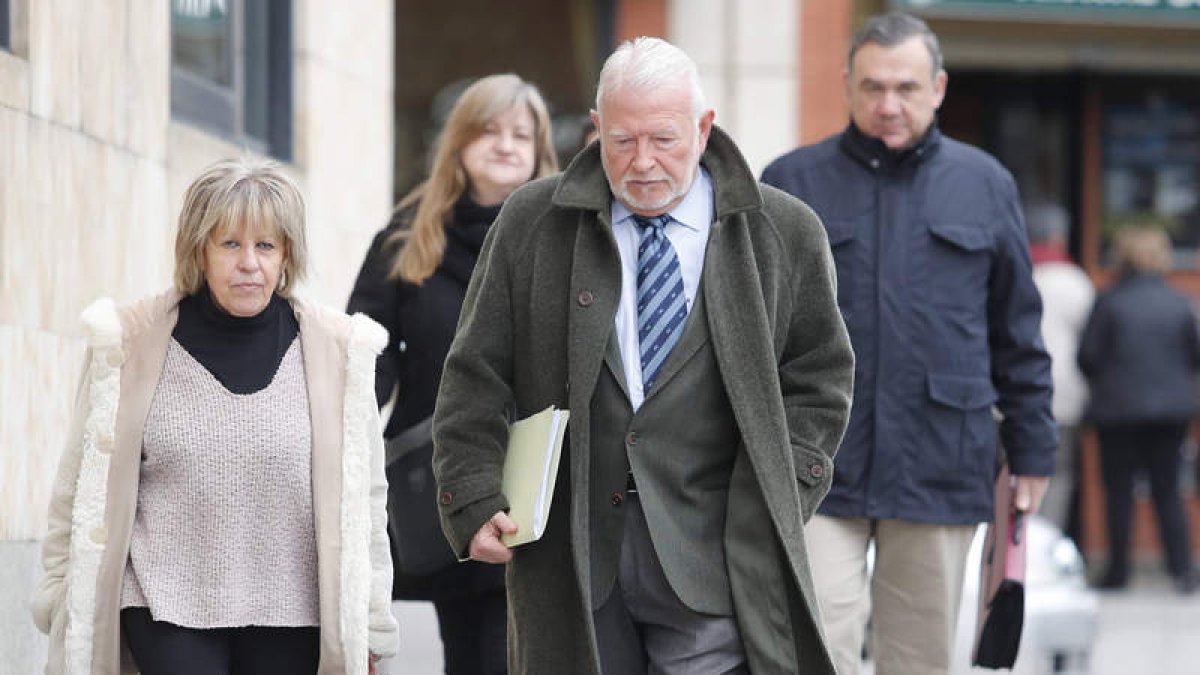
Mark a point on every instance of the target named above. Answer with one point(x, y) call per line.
point(1067, 296)
point(413, 281)
point(1140, 353)
point(935, 284)
point(220, 506)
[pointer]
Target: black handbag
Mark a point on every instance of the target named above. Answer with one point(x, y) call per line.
point(421, 548)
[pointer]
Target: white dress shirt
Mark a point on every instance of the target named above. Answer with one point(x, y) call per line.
point(688, 231)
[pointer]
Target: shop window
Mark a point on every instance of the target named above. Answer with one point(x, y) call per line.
point(1151, 152)
point(231, 70)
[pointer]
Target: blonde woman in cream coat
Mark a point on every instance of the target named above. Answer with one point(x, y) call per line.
point(95, 502)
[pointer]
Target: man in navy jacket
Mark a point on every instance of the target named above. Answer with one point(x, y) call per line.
point(935, 285)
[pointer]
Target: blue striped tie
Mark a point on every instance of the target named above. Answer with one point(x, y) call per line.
point(661, 304)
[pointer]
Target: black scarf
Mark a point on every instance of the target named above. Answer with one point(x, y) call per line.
point(469, 223)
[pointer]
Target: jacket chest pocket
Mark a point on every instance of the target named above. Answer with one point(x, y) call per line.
point(955, 264)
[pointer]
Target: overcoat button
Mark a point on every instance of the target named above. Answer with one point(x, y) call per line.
point(105, 444)
point(617, 498)
point(586, 298)
point(816, 470)
point(99, 535)
point(631, 438)
point(447, 498)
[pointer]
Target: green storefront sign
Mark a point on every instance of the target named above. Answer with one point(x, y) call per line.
point(1159, 9)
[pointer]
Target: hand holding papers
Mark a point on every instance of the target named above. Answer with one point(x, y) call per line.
point(530, 470)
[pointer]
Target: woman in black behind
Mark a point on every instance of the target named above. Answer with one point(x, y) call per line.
point(1140, 352)
point(413, 280)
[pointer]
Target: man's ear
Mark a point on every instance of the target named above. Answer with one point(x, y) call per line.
point(939, 88)
point(706, 125)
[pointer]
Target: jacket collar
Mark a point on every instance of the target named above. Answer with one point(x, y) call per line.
point(874, 155)
point(584, 186)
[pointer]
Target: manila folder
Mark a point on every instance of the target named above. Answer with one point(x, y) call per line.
point(530, 469)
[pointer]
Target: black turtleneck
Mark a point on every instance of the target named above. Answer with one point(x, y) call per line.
point(874, 153)
point(469, 223)
point(243, 353)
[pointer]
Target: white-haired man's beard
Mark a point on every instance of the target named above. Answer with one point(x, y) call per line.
point(675, 191)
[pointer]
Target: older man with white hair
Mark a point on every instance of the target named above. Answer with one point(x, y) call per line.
point(687, 317)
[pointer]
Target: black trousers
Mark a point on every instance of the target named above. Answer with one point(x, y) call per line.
point(472, 619)
point(161, 648)
point(1125, 450)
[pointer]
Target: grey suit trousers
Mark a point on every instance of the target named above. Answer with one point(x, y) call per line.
point(643, 628)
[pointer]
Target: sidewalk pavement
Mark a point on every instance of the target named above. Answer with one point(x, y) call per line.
point(1148, 629)
point(420, 646)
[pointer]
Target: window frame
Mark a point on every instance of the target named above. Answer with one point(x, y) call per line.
point(5, 25)
point(223, 110)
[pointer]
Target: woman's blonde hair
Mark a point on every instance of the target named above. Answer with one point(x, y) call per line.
point(1143, 249)
point(251, 193)
point(424, 241)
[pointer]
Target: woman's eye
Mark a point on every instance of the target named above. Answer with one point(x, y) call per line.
point(266, 245)
point(229, 243)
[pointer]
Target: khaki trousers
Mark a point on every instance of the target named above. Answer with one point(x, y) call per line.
point(912, 598)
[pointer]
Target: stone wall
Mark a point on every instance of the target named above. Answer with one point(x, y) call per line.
point(92, 170)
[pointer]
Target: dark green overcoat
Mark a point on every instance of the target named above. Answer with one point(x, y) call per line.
point(538, 314)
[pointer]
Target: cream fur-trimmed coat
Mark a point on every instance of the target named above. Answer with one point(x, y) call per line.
point(95, 493)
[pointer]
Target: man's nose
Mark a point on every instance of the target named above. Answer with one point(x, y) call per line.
point(889, 103)
point(643, 158)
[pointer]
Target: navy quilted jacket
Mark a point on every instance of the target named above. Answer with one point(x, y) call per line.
point(935, 285)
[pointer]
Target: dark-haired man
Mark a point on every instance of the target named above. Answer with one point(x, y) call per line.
point(934, 283)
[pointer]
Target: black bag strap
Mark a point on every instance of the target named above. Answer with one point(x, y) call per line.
point(416, 436)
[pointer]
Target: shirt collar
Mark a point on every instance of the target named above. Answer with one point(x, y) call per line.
point(695, 212)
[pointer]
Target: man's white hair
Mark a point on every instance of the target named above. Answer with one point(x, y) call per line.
point(648, 63)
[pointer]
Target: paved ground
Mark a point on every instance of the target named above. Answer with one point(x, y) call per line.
point(1146, 630)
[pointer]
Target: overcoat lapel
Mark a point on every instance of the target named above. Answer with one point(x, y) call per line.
point(325, 375)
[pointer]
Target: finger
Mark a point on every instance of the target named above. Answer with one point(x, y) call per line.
point(1024, 497)
point(504, 523)
point(490, 549)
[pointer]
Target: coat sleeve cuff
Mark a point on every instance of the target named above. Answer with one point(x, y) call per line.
point(384, 640)
point(1040, 463)
point(460, 523)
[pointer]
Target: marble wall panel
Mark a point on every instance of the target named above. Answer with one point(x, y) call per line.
point(102, 101)
point(767, 112)
point(55, 36)
point(699, 28)
point(766, 33)
point(14, 81)
point(38, 388)
point(357, 44)
point(145, 79)
point(348, 173)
